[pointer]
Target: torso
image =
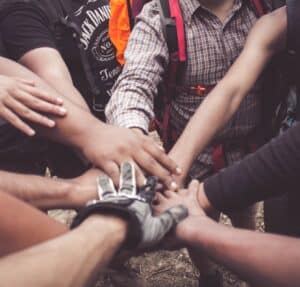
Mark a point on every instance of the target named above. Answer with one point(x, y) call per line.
point(212, 47)
point(92, 17)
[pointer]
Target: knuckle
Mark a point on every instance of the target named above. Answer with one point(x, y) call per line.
point(152, 163)
point(6, 98)
point(26, 111)
point(122, 149)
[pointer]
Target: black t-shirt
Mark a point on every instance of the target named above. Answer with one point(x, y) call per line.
point(93, 20)
point(26, 27)
point(293, 34)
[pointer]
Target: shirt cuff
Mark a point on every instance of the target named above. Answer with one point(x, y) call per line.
point(213, 191)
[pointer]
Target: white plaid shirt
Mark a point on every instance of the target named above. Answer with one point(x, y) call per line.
point(211, 47)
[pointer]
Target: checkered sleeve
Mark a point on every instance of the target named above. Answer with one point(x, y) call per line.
point(146, 60)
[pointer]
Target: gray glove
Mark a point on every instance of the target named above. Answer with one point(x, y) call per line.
point(144, 230)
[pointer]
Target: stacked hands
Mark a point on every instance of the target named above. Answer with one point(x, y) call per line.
point(26, 105)
point(147, 223)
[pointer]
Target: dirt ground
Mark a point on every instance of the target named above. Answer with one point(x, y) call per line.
point(159, 269)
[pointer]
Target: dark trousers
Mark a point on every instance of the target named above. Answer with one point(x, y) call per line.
point(33, 156)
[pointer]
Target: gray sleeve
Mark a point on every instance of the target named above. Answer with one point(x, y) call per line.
point(270, 171)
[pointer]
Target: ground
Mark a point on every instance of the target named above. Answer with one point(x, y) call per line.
point(159, 269)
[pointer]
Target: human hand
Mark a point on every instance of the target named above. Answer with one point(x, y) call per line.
point(197, 205)
point(187, 197)
point(21, 99)
point(145, 230)
point(109, 146)
point(184, 158)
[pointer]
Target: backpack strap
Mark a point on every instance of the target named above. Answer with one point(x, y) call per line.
point(69, 21)
point(173, 30)
point(259, 7)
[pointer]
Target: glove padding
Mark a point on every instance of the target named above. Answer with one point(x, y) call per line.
point(144, 230)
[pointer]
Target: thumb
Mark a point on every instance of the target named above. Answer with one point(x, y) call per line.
point(172, 217)
point(161, 225)
point(177, 213)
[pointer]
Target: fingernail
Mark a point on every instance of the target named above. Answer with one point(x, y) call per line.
point(51, 124)
point(31, 133)
point(178, 170)
point(59, 100)
point(173, 185)
point(161, 148)
point(62, 110)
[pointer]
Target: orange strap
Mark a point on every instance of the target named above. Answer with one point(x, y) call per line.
point(119, 27)
point(199, 90)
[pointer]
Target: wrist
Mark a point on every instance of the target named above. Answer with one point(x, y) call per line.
point(189, 231)
point(113, 225)
point(184, 162)
point(80, 194)
point(87, 137)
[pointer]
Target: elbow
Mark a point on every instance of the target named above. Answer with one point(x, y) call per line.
point(232, 92)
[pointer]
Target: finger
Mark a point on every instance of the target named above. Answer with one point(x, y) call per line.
point(140, 177)
point(112, 170)
point(193, 186)
point(182, 191)
point(24, 112)
point(127, 179)
point(160, 198)
point(149, 164)
point(42, 94)
point(105, 186)
point(162, 224)
point(14, 120)
point(178, 213)
point(25, 81)
point(170, 193)
point(158, 153)
point(40, 105)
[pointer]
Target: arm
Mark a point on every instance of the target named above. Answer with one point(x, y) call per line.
point(146, 59)
point(103, 145)
point(20, 99)
point(48, 64)
point(268, 172)
point(101, 237)
point(266, 38)
point(48, 193)
point(28, 38)
point(261, 259)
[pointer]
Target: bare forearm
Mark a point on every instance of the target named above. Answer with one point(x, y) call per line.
point(39, 191)
point(68, 263)
point(69, 129)
point(262, 259)
point(48, 64)
point(216, 110)
point(266, 38)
